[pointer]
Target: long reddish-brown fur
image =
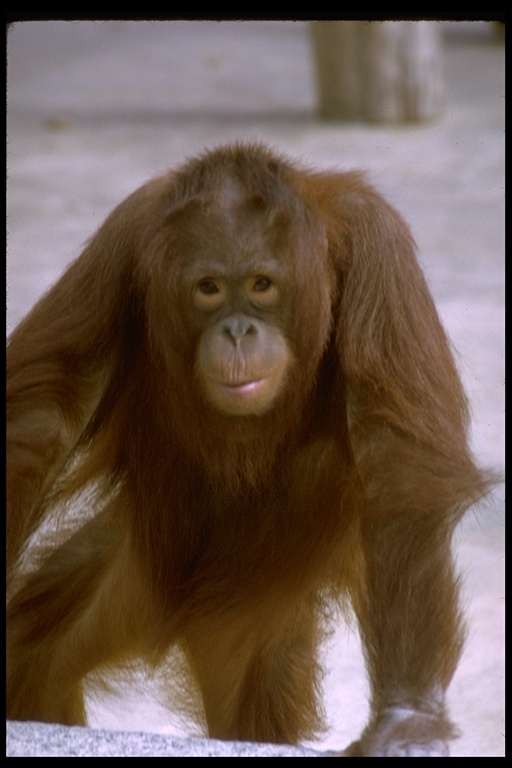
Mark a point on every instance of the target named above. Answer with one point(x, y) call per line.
point(228, 534)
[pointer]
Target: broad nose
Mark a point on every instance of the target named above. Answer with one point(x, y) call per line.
point(237, 327)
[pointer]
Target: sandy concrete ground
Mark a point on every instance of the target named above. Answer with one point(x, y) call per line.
point(96, 109)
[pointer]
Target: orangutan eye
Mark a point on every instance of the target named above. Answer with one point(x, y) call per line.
point(262, 284)
point(208, 287)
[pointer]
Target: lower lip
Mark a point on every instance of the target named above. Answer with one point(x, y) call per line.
point(247, 388)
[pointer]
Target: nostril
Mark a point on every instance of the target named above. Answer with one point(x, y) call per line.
point(237, 328)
